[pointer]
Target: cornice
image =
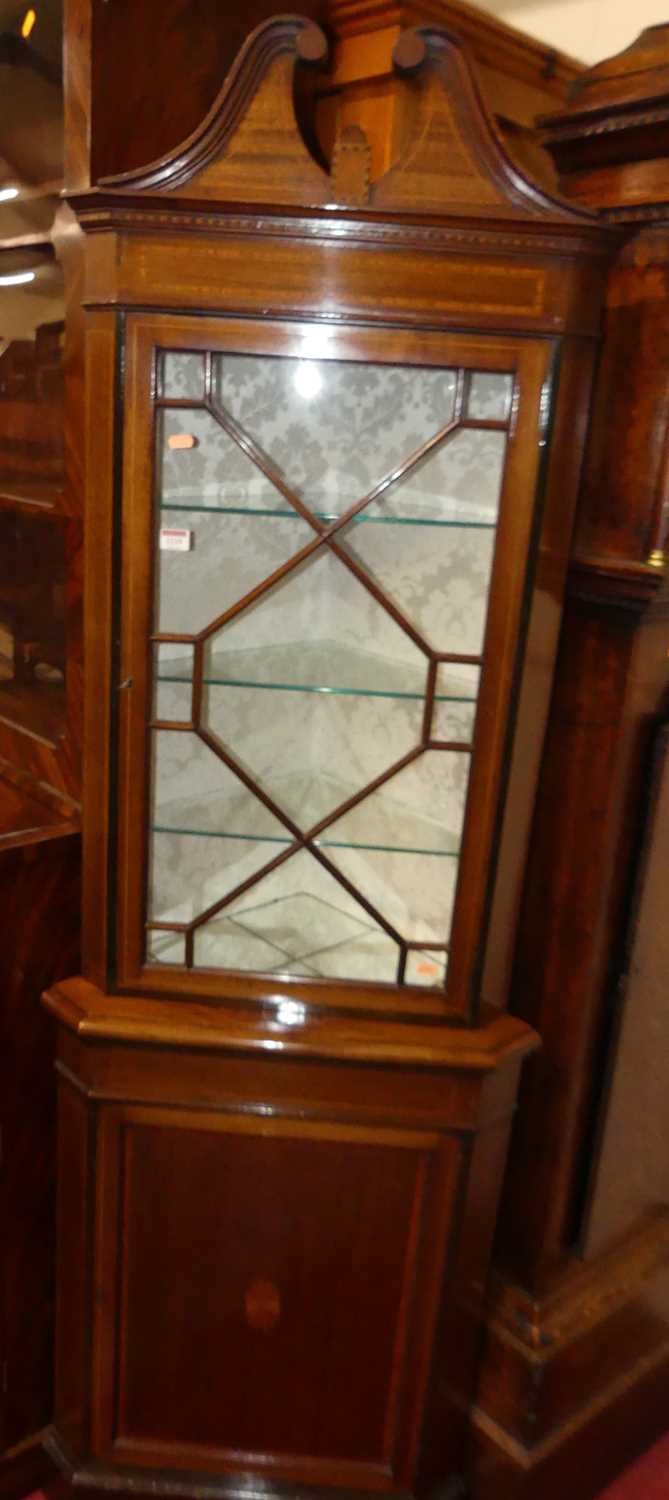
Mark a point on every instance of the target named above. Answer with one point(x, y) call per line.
point(656, 214)
point(99, 212)
point(592, 123)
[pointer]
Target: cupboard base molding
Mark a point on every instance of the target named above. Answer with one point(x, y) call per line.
point(174, 1486)
point(270, 1248)
point(96, 1016)
point(573, 1387)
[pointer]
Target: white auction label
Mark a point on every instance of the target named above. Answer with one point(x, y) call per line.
point(175, 539)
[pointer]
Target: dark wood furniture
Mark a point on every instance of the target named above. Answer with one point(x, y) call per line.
point(278, 1189)
point(574, 1376)
point(40, 736)
point(39, 851)
point(39, 898)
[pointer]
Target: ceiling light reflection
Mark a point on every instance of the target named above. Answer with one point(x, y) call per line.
point(308, 379)
point(291, 1013)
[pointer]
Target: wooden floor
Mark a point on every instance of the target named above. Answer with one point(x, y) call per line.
point(647, 1479)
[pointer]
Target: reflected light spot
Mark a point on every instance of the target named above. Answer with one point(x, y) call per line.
point(291, 1013)
point(7, 193)
point(308, 380)
point(27, 23)
point(19, 279)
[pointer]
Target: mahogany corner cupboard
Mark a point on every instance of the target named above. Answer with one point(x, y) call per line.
point(335, 428)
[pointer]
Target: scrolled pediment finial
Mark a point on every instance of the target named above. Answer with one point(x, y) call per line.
point(311, 45)
point(410, 51)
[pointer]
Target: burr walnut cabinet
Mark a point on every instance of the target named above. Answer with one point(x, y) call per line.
point(335, 425)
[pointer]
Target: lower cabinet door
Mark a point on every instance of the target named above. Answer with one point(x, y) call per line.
point(267, 1292)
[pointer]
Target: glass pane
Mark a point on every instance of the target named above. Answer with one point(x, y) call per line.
point(209, 833)
point(400, 846)
point(438, 578)
point(183, 376)
point(313, 751)
point(420, 810)
point(165, 948)
point(414, 892)
point(226, 944)
point(172, 683)
point(426, 966)
point(228, 556)
point(174, 662)
point(454, 709)
point(453, 723)
point(203, 466)
point(373, 956)
point(309, 921)
point(321, 608)
point(333, 428)
point(490, 396)
point(458, 483)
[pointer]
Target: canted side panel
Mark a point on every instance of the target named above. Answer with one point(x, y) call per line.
point(101, 355)
point(573, 384)
point(461, 1315)
point(270, 1287)
point(72, 1312)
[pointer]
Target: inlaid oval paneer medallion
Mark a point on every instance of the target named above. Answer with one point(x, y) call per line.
point(263, 1304)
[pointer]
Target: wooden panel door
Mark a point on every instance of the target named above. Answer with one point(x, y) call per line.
point(265, 1288)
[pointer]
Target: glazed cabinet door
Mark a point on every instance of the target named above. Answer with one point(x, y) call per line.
point(327, 557)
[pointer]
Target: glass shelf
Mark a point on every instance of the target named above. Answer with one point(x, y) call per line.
point(322, 667)
point(455, 521)
point(380, 824)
